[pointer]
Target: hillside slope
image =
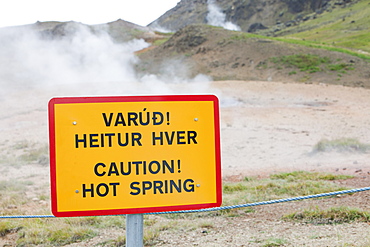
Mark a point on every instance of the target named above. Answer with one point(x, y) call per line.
point(245, 13)
point(341, 27)
point(119, 30)
point(230, 55)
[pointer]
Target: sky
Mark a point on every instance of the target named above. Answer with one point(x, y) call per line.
point(141, 12)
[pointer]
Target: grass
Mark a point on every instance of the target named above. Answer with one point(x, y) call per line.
point(15, 186)
point(334, 215)
point(314, 44)
point(270, 242)
point(158, 42)
point(119, 241)
point(35, 154)
point(26, 152)
point(311, 43)
point(6, 227)
point(282, 185)
point(310, 63)
point(274, 242)
point(304, 176)
point(304, 62)
point(277, 186)
point(342, 28)
point(12, 197)
point(340, 67)
point(341, 145)
point(63, 231)
point(246, 36)
point(54, 232)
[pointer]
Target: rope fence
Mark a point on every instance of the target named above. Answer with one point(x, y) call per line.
point(220, 208)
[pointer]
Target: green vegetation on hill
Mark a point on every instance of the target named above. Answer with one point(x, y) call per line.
point(342, 28)
point(315, 43)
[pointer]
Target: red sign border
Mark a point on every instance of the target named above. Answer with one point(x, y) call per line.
point(108, 99)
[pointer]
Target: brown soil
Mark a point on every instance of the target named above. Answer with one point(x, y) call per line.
point(266, 127)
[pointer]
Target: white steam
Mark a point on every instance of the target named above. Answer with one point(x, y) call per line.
point(216, 18)
point(159, 28)
point(29, 60)
point(83, 61)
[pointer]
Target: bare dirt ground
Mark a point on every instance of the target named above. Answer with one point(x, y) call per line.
point(266, 127)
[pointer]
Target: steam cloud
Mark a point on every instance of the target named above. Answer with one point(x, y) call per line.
point(216, 18)
point(85, 61)
point(155, 25)
point(28, 59)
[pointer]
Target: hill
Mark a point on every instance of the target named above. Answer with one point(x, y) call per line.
point(300, 41)
point(338, 23)
point(249, 15)
point(231, 55)
point(340, 27)
point(120, 30)
point(315, 41)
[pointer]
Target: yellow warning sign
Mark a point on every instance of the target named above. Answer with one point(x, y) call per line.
point(121, 155)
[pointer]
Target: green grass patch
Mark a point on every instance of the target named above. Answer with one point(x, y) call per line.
point(158, 42)
point(341, 145)
point(60, 235)
point(11, 185)
point(67, 235)
point(304, 62)
point(59, 231)
point(246, 36)
point(51, 232)
point(281, 185)
point(25, 152)
point(322, 45)
point(340, 67)
point(119, 241)
point(271, 242)
point(38, 154)
point(304, 175)
point(335, 215)
point(315, 44)
point(230, 188)
point(345, 28)
point(312, 43)
point(64, 231)
point(6, 227)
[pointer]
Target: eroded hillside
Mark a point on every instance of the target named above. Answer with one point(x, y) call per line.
point(230, 55)
point(249, 15)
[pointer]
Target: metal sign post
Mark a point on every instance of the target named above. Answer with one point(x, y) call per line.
point(134, 230)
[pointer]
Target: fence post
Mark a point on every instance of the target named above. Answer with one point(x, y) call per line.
point(134, 230)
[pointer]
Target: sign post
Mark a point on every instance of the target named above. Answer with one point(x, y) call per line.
point(134, 154)
point(134, 230)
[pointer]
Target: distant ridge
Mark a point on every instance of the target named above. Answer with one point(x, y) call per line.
point(249, 15)
point(120, 30)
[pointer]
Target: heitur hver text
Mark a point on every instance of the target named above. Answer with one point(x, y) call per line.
point(135, 139)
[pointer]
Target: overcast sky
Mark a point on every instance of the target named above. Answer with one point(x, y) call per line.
point(141, 12)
